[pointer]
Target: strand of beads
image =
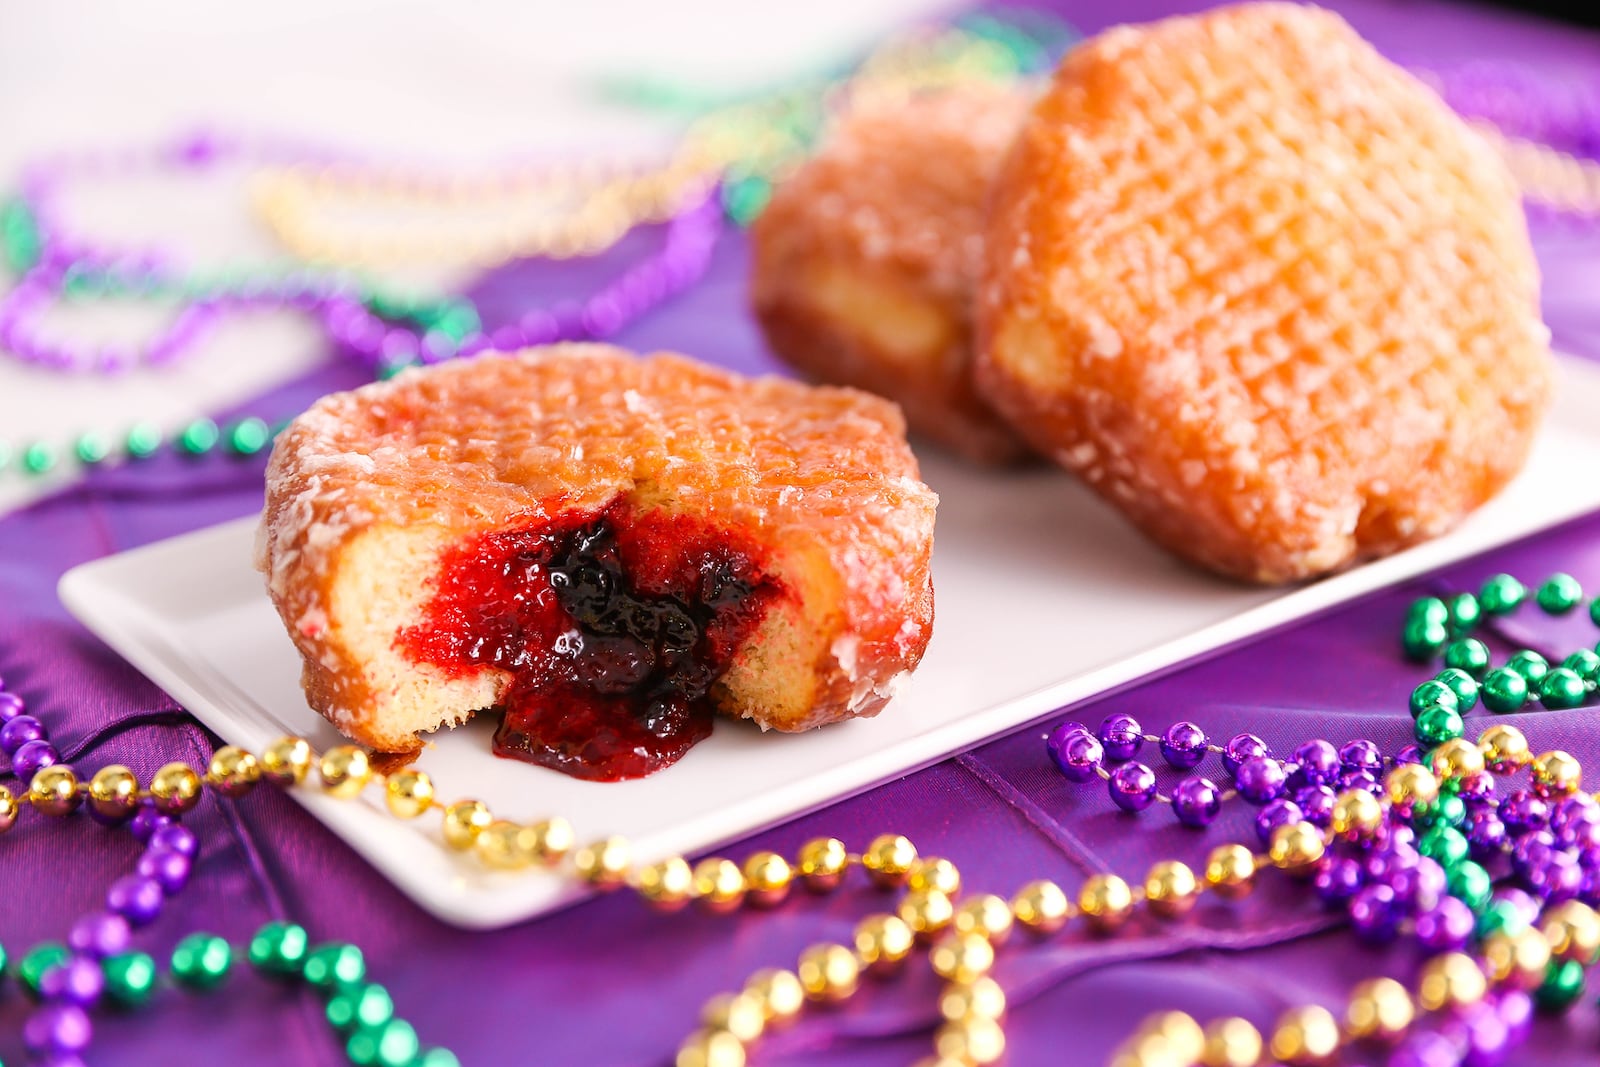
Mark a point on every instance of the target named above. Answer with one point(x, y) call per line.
point(1478, 1004)
point(361, 326)
point(1435, 891)
point(1506, 950)
point(364, 328)
point(825, 974)
point(378, 330)
point(745, 145)
point(25, 739)
point(1432, 622)
point(773, 997)
point(22, 306)
point(830, 973)
point(102, 969)
point(961, 939)
point(972, 1004)
point(1434, 625)
point(1497, 923)
point(82, 274)
point(755, 143)
point(1310, 774)
point(1548, 177)
point(345, 771)
point(240, 438)
point(53, 261)
point(601, 205)
point(70, 980)
point(1452, 828)
point(1475, 1021)
point(741, 143)
point(1542, 129)
point(757, 139)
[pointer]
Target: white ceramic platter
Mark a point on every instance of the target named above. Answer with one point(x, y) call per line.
point(1044, 597)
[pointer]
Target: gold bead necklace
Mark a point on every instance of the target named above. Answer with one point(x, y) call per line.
point(574, 210)
point(1548, 176)
point(583, 208)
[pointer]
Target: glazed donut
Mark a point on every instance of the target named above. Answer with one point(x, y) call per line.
point(866, 259)
point(1264, 292)
point(607, 547)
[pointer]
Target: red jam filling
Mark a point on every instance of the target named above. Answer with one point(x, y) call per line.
point(614, 626)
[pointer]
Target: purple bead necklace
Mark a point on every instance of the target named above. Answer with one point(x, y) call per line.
point(684, 256)
point(364, 328)
point(52, 259)
point(1284, 789)
point(376, 329)
point(59, 1027)
point(1552, 842)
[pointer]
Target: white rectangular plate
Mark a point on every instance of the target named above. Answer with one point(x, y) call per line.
point(1045, 597)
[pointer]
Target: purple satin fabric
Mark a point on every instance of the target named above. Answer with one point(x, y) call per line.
point(609, 982)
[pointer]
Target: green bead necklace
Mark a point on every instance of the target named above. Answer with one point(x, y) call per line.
point(361, 1011)
point(1436, 625)
point(239, 439)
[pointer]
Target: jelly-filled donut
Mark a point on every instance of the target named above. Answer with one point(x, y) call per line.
point(866, 259)
point(1263, 291)
point(608, 548)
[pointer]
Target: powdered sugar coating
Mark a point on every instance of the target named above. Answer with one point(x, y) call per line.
point(888, 215)
point(507, 441)
point(1263, 291)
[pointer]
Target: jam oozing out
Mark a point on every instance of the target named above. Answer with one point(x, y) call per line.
point(614, 626)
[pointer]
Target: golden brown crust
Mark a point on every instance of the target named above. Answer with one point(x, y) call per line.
point(507, 441)
point(866, 258)
point(1264, 292)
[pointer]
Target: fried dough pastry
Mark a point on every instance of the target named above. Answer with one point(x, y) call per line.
point(607, 547)
point(866, 259)
point(1264, 292)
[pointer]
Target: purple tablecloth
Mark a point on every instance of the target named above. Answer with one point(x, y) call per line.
point(609, 982)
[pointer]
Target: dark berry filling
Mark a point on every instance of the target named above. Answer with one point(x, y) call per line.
point(614, 626)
